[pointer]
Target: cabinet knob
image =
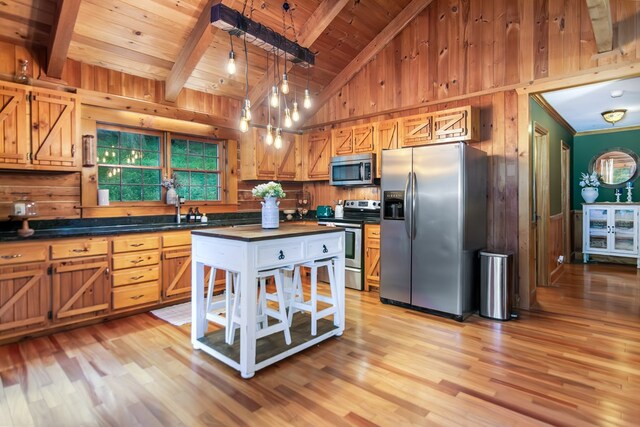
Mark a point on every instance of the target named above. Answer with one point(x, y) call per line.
point(324, 249)
point(281, 256)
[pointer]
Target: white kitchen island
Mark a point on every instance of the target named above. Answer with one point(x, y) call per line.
point(247, 250)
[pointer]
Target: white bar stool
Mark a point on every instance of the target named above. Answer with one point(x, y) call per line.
point(264, 311)
point(217, 309)
point(298, 303)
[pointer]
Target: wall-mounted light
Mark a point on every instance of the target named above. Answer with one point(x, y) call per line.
point(613, 116)
point(88, 151)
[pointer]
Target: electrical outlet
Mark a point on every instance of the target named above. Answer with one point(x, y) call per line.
point(561, 259)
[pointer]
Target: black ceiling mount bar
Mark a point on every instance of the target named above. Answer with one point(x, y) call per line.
point(237, 24)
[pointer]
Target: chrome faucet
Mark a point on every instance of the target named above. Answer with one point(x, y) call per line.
point(178, 210)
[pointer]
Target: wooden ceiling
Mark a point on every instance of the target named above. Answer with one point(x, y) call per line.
point(147, 37)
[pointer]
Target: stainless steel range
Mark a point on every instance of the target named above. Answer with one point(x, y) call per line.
point(356, 214)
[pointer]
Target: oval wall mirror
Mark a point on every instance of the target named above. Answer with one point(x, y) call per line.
point(616, 166)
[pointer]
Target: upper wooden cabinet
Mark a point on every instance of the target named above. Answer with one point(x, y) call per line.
point(262, 161)
point(456, 124)
point(353, 140)
point(38, 128)
point(386, 137)
point(316, 149)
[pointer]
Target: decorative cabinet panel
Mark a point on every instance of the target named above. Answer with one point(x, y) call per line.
point(316, 149)
point(353, 140)
point(386, 136)
point(25, 297)
point(610, 229)
point(39, 128)
point(342, 141)
point(372, 257)
point(363, 139)
point(81, 288)
point(455, 124)
point(262, 161)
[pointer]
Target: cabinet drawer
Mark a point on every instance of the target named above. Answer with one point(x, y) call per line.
point(129, 296)
point(176, 239)
point(324, 247)
point(373, 231)
point(79, 248)
point(131, 244)
point(135, 260)
point(279, 254)
point(137, 275)
point(16, 254)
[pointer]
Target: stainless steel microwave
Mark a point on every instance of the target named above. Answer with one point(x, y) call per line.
point(358, 169)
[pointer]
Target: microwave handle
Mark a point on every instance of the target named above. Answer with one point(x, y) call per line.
point(361, 170)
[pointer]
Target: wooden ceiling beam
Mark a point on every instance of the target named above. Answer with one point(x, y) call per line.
point(309, 33)
point(191, 54)
point(600, 13)
point(376, 45)
point(65, 22)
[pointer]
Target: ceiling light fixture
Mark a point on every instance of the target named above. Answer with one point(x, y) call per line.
point(613, 116)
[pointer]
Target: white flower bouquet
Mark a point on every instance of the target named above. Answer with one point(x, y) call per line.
point(270, 189)
point(592, 180)
point(172, 182)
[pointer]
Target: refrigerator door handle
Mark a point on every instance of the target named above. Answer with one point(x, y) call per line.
point(414, 184)
point(408, 213)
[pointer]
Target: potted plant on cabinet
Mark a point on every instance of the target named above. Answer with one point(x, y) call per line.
point(590, 184)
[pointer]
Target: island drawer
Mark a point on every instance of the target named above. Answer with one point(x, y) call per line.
point(79, 248)
point(279, 254)
point(16, 254)
point(121, 261)
point(128, 296)
point(136, 275)
point(130, 244)
point(324, 246)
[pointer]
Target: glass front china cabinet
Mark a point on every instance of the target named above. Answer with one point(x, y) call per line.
point(610, 229)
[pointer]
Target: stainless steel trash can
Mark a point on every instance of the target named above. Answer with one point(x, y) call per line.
point(496, 285)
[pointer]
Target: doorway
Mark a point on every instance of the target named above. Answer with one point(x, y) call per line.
point(540, 217)
point(565, 162)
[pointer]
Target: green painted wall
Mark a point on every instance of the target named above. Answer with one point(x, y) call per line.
point(557, 134)
point(585, 147)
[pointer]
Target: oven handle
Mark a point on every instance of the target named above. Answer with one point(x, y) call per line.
point(343, 225)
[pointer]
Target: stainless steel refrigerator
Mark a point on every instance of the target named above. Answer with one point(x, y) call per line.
point(433, 224)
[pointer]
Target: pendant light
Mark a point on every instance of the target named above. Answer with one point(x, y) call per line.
point(295, 114)
point(277, 143)
point(231, 63)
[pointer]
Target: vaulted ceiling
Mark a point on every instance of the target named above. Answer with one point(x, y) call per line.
point(172, 41)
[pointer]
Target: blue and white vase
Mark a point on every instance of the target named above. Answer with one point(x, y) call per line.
point(270, 213)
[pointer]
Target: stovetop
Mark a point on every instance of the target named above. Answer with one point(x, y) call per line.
point(358, 212)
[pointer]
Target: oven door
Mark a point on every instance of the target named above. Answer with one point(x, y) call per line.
point(354, 277)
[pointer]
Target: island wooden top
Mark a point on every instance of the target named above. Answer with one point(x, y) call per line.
point(252, 233)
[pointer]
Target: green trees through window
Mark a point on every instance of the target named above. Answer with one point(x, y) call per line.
point(196, 165)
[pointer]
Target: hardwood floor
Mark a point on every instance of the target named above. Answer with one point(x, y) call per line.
point(391, 367)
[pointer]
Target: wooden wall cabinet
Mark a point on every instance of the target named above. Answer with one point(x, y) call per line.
point(386, 137)
point(262, 161)
point(316, 149)
point(25, 289)
point(455, 124)
point(38, 128)
point(353, 140)
point(372, 257)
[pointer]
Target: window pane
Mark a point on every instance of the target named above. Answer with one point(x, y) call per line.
point(151, 176)
point(212, 193)
point(150, 159)
point(197, 178)
point(130, 157)
point(211, 150)
point(183, 178)
point(183, 192)
point(151, 193)
point(211, 164)
point(107, 138)
point(212, 180)
point(197, 193)
point(151, 142)
point(130, 140)
point(196, 163)
point(131, 176)
point(179, 161)
point(114, 192)
point(196, 148)
point(108, 175)
point(178, 146)
point(131, 192)
point(108, 156)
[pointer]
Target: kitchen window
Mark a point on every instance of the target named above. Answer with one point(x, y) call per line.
point(196, 164)
point(129, 163)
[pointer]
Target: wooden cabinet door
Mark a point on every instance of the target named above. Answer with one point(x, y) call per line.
point(54, 133)
point(363, 139)
point(176, 274)
point(386, 137)
point(416, 130)
point(342, 141)
point(24, 298)
point(287, 159)
point(265, 156)
point(81, 289)
point(372, 257)
point(14, 129)
point(456, 124)
point(317, 152)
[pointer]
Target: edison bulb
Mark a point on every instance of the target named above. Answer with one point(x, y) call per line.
point(269, 137)
point(244, 124)
point(247, 110)
point(278, 141)
point(306, 103)
point(274, 97)
point(231, 64)
point(287, 118)
point(285, 84)
point(295, 114)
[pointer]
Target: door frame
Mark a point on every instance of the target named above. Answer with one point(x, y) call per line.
point(565, 167)
point(540, 204)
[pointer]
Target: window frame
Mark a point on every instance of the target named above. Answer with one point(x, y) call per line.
point(222, 153)
point(162, 167)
